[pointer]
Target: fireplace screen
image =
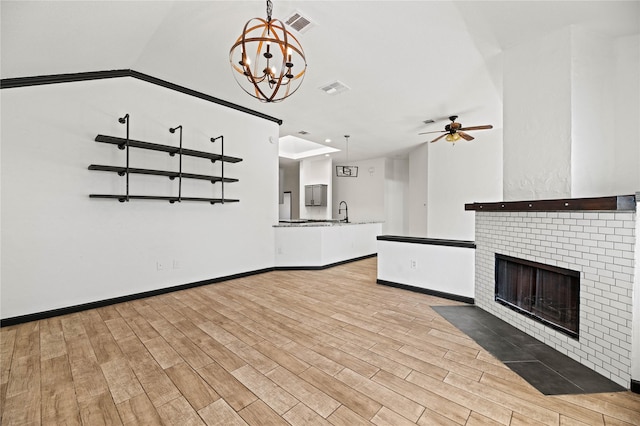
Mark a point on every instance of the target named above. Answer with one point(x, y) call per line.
point(546, 293)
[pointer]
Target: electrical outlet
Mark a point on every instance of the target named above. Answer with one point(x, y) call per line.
point(159, 266)
point(413, 264)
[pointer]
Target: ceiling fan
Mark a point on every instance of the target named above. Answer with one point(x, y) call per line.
point(454, 131)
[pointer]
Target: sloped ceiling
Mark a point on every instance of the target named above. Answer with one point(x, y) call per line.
point(405, 61)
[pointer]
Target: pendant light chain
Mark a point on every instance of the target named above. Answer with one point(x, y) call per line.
point(269, 10)
point(347, 138)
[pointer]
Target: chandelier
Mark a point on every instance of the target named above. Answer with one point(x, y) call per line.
point(267, 61)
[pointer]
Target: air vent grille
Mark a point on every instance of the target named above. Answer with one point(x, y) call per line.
point(299, 23)
point(334, 88)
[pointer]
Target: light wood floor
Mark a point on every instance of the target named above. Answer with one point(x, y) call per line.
point(295, 347)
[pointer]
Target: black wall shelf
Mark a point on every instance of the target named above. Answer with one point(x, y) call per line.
point(171, 175)
point(126, 143)
point(172, 150)
point(123, 197)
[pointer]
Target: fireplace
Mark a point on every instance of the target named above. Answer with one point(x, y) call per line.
point(548, 294)
point(597, 237)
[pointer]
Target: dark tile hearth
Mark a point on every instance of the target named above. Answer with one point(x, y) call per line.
point(546, 369)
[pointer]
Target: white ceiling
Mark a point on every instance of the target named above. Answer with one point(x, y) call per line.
point(405, 61)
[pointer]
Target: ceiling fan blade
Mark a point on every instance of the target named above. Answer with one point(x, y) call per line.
point(435, 131)
point(465, 136)
point(488, 126)
point(439, 137)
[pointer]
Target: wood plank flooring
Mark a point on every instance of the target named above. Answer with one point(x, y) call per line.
point(324, 347)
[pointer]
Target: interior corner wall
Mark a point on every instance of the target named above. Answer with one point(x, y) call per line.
point(61, 248)
point(537, 118)
point(418, 191)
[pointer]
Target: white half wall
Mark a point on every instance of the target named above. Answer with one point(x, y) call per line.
point(440, 268)
point(304, 246)
point(60, 248)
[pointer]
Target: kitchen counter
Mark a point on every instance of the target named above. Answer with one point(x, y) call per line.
point(318, 222)
point(313, 244)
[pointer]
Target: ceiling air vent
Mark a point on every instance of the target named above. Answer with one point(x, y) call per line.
point(298, 22)
point(334, 88)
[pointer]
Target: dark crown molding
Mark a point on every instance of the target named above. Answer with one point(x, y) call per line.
point(9, 83)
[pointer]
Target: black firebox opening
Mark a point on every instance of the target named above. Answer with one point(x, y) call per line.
point(548, 294)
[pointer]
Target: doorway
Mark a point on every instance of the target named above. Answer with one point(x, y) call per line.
point(285, 207)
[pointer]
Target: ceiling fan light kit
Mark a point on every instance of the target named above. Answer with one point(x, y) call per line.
point(268, 61)
point(454, 131)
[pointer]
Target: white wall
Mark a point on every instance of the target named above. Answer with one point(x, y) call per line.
point(462, 173)
point(396, 196)
point(418, 188)
point(626, 134)
point(571, 110)
point(592, 113)
point(537, 118)
point(61, 248)
point(364, 194)
point(315, 171)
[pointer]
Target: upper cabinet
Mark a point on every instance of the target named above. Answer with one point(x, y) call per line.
point(315, 195)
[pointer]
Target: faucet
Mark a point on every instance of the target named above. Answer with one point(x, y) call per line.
point(346, 211)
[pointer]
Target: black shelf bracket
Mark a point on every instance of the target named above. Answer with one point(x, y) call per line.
point(173, 130)
point(125, 120)
point(213, 140)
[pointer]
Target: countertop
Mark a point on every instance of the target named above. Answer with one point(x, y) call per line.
point(292, 223)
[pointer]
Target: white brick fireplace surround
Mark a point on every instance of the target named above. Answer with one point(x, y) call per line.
point(596, 237)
